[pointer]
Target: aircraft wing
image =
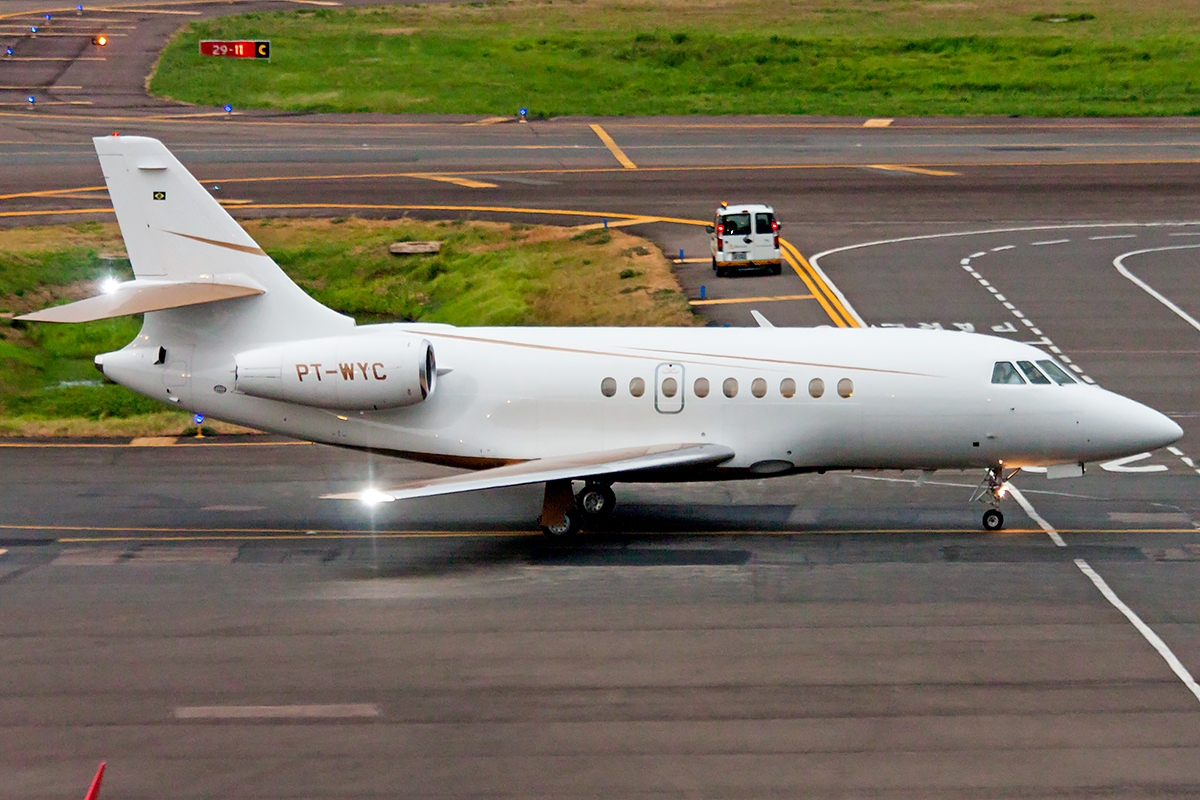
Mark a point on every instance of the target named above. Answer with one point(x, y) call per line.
point(639, 460)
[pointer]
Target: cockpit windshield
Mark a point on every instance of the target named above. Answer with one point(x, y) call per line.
point(1004, 372)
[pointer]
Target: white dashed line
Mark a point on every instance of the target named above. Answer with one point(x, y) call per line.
point(1116, 236)
point(1183, 234)
point(1044, 341)
point(1187, 460)
point(333, 711)
point(1049, 241)
point(1145, 630)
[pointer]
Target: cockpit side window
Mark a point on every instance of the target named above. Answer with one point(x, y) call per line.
point(1060, 375)
point(1005, 372)
point(1033, 373)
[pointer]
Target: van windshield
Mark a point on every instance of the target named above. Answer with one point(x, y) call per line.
point(764, 223)
point(737, 224)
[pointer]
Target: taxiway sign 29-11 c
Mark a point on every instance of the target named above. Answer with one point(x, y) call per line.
point(229, 335)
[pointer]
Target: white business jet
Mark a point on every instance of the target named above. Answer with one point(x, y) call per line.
point(227, 334)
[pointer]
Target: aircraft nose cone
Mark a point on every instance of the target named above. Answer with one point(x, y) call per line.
point(1135, 428)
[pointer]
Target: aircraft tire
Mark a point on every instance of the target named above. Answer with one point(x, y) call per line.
point(596, 501)
point(567, 530)
point(993, 520)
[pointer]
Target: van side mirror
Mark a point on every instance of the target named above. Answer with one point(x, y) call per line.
point(709, 228)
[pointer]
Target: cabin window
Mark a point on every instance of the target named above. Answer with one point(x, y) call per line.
point(637, 387)
point(845, 387)
point(1033, 373)
point(1060, 375)
point(701, 387)
point(816, 387)
point(787, 387)
point(730, 387)
point(608, 387)
point(758, 387)
point(670, 387)
point(1004, 372)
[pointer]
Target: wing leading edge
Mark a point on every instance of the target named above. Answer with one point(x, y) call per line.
point(640, 460)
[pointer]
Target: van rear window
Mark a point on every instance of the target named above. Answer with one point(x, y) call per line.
point(737, 224)
point(764, 223)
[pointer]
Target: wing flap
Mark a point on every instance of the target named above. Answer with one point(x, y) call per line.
point(573, 467)
point(140, 296)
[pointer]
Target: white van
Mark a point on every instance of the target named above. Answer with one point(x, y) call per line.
point(744, 236)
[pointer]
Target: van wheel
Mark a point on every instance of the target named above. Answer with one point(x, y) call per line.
point(722, 272)
point(714, 265)
point(777, 269)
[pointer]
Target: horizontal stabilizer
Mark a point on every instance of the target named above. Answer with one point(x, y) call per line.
point(140, 296)
point(639, 460)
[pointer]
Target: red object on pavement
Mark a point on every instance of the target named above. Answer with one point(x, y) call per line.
point(94, 792)
point(235, 49)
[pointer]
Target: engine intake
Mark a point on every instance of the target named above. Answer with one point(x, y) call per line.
point(345, 373)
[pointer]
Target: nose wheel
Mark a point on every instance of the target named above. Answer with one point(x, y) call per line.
point(991, 491)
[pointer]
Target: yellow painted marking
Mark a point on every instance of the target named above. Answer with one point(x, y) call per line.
point(691, 261)
point(881, 122)
point(488, 121)
point(613, 147)
point(467, 182)
point(826, 296)
point(48, 58)
point(618, 224)
point(733, 300)
point(177, 534)
point(917, 170)
point(812, 287)
point(56, 213)
point(54, 88)
point(154, 441)
point(230, 202)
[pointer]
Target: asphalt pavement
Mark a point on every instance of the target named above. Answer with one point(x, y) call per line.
point(192, 613)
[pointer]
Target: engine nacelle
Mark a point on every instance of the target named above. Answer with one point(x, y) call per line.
point(346, 373)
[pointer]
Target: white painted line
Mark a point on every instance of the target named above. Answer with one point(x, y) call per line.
point(982, 282)
point(1008, 305)
point(1183, 234)
point(1003, 247)
point(1119, 263)
point(1037, 332)
point(1049, 241)
point(1116, 236)
point(965, 262)
point(1175, 451)
point(1001, 298)
point(1018, 314)
point(1028, 322)
point(335, 711)
point(1076, 368)
point(1145, 630)
point(1065, 359)
point(1054, 349)
point(1033, 515)
point(1187, 461)
point(980, 254)
point(993, 290)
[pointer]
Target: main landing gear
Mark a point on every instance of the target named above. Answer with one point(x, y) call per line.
point(991, 491)
point(563, 514)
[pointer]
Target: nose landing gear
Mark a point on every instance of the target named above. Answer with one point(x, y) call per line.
point(991, 491)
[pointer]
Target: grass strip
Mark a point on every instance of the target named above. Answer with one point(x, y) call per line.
point(606, 58)
point(485, 274)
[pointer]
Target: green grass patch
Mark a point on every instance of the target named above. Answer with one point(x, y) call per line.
point(485, 274)
point(600, 57)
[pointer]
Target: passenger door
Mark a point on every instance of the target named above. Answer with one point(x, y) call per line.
point(668, 388)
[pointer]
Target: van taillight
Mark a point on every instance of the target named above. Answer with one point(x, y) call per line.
point(777, 241)
point(720, 244)
point(775, 227)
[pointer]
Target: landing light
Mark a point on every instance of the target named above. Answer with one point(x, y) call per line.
point(110, 285)
point(100, 41)
point(373, 497)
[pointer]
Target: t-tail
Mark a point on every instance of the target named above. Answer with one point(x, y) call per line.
point(206, 288)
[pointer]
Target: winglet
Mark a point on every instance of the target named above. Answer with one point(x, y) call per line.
point(94, 792)
point(762, 321)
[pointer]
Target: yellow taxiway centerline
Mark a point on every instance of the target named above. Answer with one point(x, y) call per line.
point(613, 147)
point(735, 300)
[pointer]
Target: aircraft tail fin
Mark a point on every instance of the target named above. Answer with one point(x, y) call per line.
point(176, 233)
point(94, 791)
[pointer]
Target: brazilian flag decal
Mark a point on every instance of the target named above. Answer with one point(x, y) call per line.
point(160, 195)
